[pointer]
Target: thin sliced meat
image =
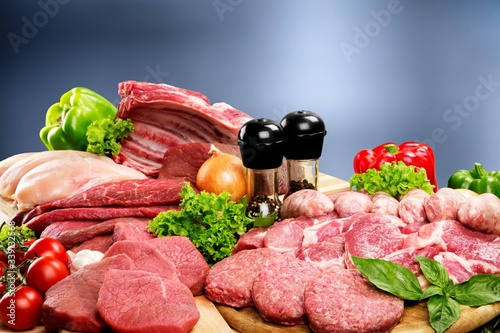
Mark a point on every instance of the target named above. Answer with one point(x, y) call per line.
point(39, 223)
point(128, 193)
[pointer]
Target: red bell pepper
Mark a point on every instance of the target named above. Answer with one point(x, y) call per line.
point(411, 153)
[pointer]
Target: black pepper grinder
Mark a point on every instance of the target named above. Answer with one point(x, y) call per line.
point(304, 131)
point(261, 143)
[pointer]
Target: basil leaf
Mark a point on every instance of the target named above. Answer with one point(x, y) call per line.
point(480, 289)
point(431, 291)
point(433, 271)
point(391, 277)
point(443, 312)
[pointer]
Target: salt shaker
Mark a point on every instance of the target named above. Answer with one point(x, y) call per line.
point(261, 143)
point(304, 131)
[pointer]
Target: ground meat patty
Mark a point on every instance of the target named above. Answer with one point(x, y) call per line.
point(229, 282)
point(343, 301)
point(278, 290)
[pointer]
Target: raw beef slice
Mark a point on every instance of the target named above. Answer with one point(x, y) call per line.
point(230, 280)
point(278, 290)
point(71, 303)
point(139, 301)
point(192, 268)
point(344, 301)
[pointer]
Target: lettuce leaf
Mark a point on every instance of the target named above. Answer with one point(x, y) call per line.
point(105, 134)
point(212, 222)
point(393, 178)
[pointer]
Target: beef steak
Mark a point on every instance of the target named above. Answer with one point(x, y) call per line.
point(140, 301)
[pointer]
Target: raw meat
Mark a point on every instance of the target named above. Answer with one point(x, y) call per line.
point(9, 161)
point(26, 162)
point(140, 301)
point(252, 239)
point(40, 222)
point(71, 303)
point(184, 160)
point(136, 229)
point(192, 268)
point(325, 255)
point(452, 236)
point(146, 256)
point(372, 236)
point(411, 206)
point(343, 301)
point(285, 236)
point(443, 205)
point(481, 213)
point(98, 243)
point(230, 280)
point(71, 233)
point(349, 203)
point(65, 177)
point(308, 203)
point(278, 290)
point(165, 116)
point(324, 231)
point(384, 203)
point(129, 193)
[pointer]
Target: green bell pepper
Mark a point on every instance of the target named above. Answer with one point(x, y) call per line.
point(476, 179)
point(66, 121)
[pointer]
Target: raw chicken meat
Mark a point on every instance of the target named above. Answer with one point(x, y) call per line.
point(67, 176)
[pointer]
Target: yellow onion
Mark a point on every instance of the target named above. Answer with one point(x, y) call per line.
point(221, 172)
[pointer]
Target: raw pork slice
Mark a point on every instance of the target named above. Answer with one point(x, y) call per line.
point(252, 239)
point(325, 255)
point(278, 290)
point(285, 236)
point(372, 236)
point(343, 301)
point(192, 268)
point(165, 116)
point(140, 301)
point(70, 304)
point(98, 243)
point(229, 281)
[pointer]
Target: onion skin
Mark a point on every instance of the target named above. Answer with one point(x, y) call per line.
point(222, 172)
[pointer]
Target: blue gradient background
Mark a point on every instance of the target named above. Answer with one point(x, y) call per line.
point(409, 75)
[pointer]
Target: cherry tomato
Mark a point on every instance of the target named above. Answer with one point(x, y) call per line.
point(3, 288)
point(3, 257)
point(22, 309)
point(47, 247)
point(44, 272)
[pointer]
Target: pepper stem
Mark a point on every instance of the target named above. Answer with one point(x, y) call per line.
point(391, 148)
point(480, 172)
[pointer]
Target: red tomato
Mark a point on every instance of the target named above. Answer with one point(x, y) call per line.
point(22, 309)
point(44, 272)
point(3, 257)
point(3, 288)
point(47, 247)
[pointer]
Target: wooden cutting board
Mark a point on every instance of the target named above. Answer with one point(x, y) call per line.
point(220, 319)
